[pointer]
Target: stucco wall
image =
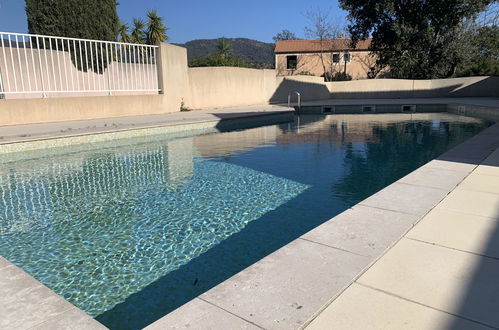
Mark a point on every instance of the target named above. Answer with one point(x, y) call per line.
point(315, 63)
point(216, 87)
point(401, 88)
point(309, 87)
point(54, 109)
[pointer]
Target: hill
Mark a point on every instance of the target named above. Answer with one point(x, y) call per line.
point(260, 54)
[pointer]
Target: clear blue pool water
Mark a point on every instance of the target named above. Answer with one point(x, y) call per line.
point(130, 231)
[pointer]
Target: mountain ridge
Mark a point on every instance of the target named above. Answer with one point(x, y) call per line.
point(258, 53)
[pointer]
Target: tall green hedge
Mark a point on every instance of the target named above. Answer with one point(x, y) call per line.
point(87, 19)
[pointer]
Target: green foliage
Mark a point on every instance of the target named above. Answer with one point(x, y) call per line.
point(89, 19)
point(259, 54)
point(151, 32)
point(487, 67)
point(337, 76)
point(284, 35)
point(224, 49)
point(221, 57)
point(123, 32)
point(415, 39)
point(216, 60)
point(483, 59)
point(156, 28)
point(138, 35)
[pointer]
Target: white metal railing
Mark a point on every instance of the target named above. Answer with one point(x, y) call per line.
point(41, 66)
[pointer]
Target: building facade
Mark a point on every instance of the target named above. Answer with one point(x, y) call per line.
point(320, 57)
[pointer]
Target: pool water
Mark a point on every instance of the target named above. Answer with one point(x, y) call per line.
point(130, 232)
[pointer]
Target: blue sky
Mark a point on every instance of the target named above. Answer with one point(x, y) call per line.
point(187, 19)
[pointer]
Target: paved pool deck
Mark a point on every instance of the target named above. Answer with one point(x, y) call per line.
point(421, 253)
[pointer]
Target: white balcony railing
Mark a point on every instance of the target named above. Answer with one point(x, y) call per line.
point(47, 66)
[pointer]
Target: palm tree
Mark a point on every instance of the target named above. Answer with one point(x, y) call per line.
point(224, 48)
point(123, 32)
point(156, 29)
point(138, 34)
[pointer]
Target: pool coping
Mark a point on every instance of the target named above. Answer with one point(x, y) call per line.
point(280, 291)
point(216, 305)
point(43, 142)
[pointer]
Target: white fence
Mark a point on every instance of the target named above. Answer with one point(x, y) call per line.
point(47, 66)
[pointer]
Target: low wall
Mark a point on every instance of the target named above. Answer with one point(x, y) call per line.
point(31, 111)
point(401, 88)
point(216, 87)
point(173, 81)
point(310, 88)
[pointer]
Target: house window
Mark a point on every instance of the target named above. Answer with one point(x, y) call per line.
point(346, 57)
point(291, 62)
point(336, 58)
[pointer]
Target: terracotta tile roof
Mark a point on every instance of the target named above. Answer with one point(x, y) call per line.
point(305, 46)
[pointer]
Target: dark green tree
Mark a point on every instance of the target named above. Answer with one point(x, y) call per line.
point(123, 33)
point(89, 19)
point(284, 35)
point(221, 57)
point(483, 52)
point(224, 49)
point(138, 35)
point(156, 28)
point(415, 39)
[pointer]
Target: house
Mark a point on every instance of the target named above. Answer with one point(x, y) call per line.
point(315, 57)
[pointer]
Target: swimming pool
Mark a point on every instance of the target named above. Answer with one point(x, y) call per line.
point(130, 232)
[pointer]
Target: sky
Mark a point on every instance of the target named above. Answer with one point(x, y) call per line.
point(188, 19)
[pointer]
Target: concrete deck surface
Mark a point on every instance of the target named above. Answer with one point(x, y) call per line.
point(443, 274)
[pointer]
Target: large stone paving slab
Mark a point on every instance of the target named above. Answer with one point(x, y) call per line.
point(480, 182)
point(472, 202)
point(200, 315)
point(360, 308)
point(450, 165)
point(434, 177)
point(287, 287)
point(453, 281)
point(72, 319)
point(364, 230)
point(26, 303)
point(406, 198)
point(460, 231)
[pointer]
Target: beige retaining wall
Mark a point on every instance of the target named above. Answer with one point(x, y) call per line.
point(217, 87)
point(401, 88)
point(173, 74)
